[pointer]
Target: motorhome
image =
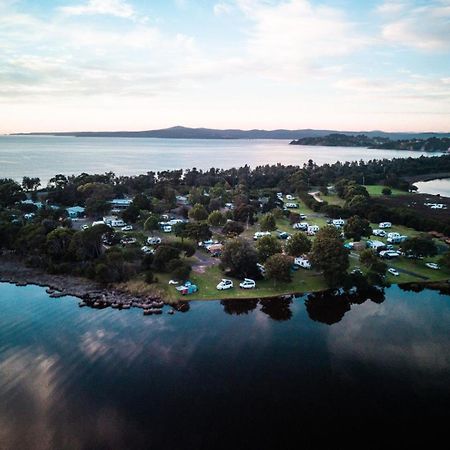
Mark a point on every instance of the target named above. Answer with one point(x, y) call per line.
point(304, 263)
point(385, 225)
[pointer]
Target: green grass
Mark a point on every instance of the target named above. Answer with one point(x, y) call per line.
point(302, 281)
point(376, 190)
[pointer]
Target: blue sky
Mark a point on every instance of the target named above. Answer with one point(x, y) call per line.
point(134, 64)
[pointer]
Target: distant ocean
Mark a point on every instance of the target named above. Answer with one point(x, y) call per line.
point(45, 156)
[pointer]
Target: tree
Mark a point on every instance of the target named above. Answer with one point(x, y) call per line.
point(198, 212)
point(386, 191)
point(419, 246)
point(163, 255)
point(152, 222)
point(329, 255)
point(356, 227)
point(142, 202)
point(131, 214)
point(30, 184)
point(268, 222)
point(298, 244)
point(197, 231)
point(445, 260)
point(245, 213)
point(267, 246)
point(240, 257)
point(232, 228)
point(217, 219)
point(58, 243)
point(96, 207)
point(278, 268)
point(10, 192)
point(376, 268)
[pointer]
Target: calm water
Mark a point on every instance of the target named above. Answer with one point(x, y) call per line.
point(45, 156)
point(218, 374)
point(435, 187)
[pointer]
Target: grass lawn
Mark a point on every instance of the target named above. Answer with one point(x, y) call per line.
point(376, 190)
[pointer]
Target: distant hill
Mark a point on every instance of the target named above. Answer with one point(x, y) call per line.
point(210, 133)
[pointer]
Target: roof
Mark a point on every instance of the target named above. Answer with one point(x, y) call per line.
point(75, 209)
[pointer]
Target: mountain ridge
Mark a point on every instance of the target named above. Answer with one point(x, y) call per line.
point(181, 132)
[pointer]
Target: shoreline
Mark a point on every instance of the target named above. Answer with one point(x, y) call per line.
point(95, 295)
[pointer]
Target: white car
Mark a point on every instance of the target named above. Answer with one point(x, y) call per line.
point(127, 228)
point(260, 234)
point(147, 250)
point(394, 272)
point(433, 266)
point(153, 240)
point(167, 229)
point(85, 227)
point(247, 284)
point(224, 284)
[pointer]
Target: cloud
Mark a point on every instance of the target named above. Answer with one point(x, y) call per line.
point(426, 28)
point(118, 8)
point(295, 37)
point(222, 8)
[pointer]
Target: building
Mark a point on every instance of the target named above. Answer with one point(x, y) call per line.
point(120, 203)
point(74, 212)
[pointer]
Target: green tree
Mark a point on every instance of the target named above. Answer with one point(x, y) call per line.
point(268, 246)
point(232, 228)
point(329, 255)
point(268, 222)
point(217, 219)
point(445, 260)
point(419, 246)
point(30, 184)
point(240, 257)
point(356, 227)
point(198, 212)
point(58, 243)
point(152, 222)
point(386, 191)
point(298, 244)
point(10, 192)
point(197, 231)
point(278, 268)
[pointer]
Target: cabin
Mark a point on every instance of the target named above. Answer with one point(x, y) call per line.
point(75, 212)
point(119, 204)
point(375, 245)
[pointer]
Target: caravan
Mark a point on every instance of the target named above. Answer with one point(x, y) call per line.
point(302, 262)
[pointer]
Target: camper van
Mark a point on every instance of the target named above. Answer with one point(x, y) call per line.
point(302, 262)
point(385, 225)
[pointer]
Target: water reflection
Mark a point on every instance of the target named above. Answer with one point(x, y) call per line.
point(78, 378)
point(330, 307)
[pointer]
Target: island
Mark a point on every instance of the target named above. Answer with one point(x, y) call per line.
point(173, 236)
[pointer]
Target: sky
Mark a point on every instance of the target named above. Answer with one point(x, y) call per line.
point(68, 65)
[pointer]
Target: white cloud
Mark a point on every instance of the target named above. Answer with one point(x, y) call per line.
point(118, 8)
point(391, 7)
point(295, 37)
point(425, 28)
point(222, 8)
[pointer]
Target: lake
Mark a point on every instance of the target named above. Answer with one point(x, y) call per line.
point(434, 187)
point(218, 375)
point(45, 156)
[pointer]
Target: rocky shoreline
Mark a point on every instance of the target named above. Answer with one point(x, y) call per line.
point(90, 293)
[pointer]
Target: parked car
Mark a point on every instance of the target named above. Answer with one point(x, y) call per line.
point(127, 228)
point(154, 240)
point(147, 250)
point(392, 271)
point(433, 265)
point(247, 284)
point(388, 254)
point(225, 284)
point(167, 228)
point(283, 235)
point(85, 227)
